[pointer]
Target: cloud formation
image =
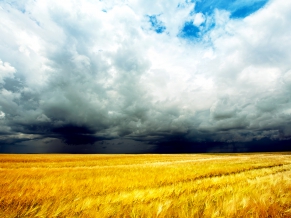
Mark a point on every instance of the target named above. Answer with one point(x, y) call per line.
point(82, 72)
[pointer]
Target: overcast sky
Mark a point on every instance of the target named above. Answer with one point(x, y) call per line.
point(144, 76)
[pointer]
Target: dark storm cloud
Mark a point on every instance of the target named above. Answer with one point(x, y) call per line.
point(72, 76)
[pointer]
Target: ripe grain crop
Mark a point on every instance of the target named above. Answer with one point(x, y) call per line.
point(180, 185)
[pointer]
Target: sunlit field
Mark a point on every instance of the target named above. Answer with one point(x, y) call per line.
point(183, 185)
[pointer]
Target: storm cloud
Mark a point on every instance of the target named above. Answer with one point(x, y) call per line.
point(180, 75)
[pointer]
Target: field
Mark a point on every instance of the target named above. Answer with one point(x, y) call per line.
point(184, 185)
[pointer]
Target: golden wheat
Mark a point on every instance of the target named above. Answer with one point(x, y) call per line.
point(188, 185)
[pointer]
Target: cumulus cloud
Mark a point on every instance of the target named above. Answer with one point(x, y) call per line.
point(198, 19)
point(6, 71)
point(83, 72)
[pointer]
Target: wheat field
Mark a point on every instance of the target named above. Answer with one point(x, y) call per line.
point(149, 185)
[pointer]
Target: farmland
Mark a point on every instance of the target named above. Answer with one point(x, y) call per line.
point(149, 185)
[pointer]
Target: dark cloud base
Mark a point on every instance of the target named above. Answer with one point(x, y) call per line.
point(263, 145)
point(119, 146)
point(76, 135)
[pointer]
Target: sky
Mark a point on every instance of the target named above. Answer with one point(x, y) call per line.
point(132, 76)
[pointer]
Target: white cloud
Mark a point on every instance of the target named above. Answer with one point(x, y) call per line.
point(6, 70)
point(198, 19)
point(2, 115)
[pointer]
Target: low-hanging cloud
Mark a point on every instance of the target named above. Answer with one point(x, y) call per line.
point(84, 72)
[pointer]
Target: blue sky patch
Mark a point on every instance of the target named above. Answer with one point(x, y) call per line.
point(190, 31)
point(247, 10)
point(237, 8)
point(157, 25)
